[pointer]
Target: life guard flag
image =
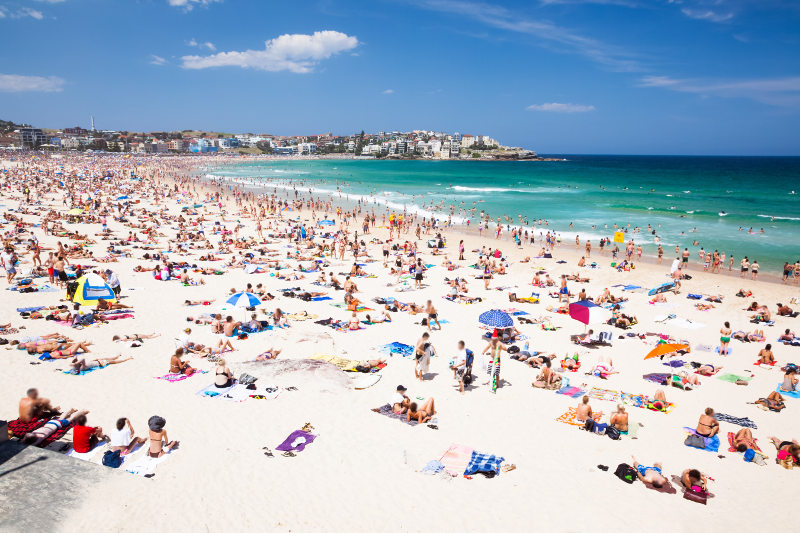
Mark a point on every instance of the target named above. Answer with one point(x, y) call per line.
point(619, 236)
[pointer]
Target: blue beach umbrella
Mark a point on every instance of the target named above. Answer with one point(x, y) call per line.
point(243, 299)
point(326, 222)
point(496, 319)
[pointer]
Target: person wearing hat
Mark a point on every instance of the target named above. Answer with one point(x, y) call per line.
point(400, 401)
point(158, 436)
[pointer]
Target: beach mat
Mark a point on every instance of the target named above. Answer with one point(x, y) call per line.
point(732, 442)
point(145, 465)
point(712, 444)
point(571, 417)
point(792, 394)
point(456, 459)
point(296, 441)
point(386, 410)
point(172, 378)
point(604, 394)
point(572, 392)
point(733, 378)
point(347, 365)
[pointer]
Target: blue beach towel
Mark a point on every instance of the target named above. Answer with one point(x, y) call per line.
point(483, 462)
point(793, 394)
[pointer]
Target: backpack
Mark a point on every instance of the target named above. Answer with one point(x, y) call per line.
point(626, 473)
point(613, 433)
point(589, 424)
point(112, 459)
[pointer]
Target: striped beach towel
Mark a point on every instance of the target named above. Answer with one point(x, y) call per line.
point(456, 459)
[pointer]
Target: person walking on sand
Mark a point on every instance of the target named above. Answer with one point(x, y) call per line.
point(725, 338)
point(495, 347)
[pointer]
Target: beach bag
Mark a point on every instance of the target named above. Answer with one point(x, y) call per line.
point(626, 473)
point(112, 459)
point(696, 494)
point(612, 433)
point(247, 379)
point(695, 441)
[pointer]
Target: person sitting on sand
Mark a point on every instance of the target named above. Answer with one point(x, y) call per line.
point(269, 353)
point(122, 438)
point(400, 402)
point(584, 411)
point(765, 356)
point(223, 377)
point(789, 381)
point(653, 475)
point(547, 377)
point(693, 479)
point(85, 438)
point(423, 414)
point(229, 327)
point(179, 366)
point(354, 324)
point(787, 335)
point(38, 435)
point(619, 419)
point(784, 310)
point(707, 425)
point(32, 407)
point(158, 436)
point(80, 364)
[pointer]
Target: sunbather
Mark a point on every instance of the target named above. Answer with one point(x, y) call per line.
point(743, 441)
point(789, 381)
point(650, 474)
point(178, 366)
point(693, 479)
point(223, 377)
point(158, 438)
point(792, 448)
point(707, 370)
point(707, 425)
point(584, 410)
point(269, 353)
point(80, 364)
point(36, 436)
point(32, 407)
point(619, 419)
point(135, 337)
point(765, 356)
point(85, 438)
point(423, 414)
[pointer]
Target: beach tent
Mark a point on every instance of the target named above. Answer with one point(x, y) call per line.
point(662, 349)
point(496, 319)
point(587, 312)
point(91, 288)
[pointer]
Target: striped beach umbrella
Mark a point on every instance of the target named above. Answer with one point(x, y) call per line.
point(243, 299)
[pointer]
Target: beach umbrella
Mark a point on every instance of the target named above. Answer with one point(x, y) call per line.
point(75, 211)
point(287, 208)
point(662, 349)
point(587, 312)
point(91, 288)
point(326, 222)
point(123, 197)
point(496, 319)
point(243, 299)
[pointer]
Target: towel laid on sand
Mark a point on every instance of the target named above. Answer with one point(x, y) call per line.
point(744, 422)
point(86, 456)
point(733, 378)
point(571, 417)
point(386, 410)
point(145, 465)
point(483, 462)
point(732, 443)
point(712, 444)
point(456, 459)
point(296, 441)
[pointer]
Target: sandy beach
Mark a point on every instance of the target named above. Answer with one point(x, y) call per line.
point(363, 471)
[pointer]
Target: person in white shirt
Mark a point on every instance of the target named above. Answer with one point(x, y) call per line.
point(400, 401)
point(459, 365)
point(122, 438)
point(113, 281)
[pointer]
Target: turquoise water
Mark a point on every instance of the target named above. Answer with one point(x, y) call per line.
point(682, 198)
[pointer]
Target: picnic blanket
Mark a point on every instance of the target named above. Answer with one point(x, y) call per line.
point(732, 442)
point(712, 444)
point(296, 441)
point(386, 410)
point(456, 459)
point(744, 422)
point(347, 365)
point(571, 417)
point(483, 462)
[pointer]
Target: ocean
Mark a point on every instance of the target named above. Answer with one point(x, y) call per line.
point(722, 203)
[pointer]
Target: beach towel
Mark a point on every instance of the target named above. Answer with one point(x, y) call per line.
point(675, 364)
point(386, 410)
point(733, 378)
point(712, 444)
point(744, 422)
point(82, 372)
point(19, 429)
point(397, 348)
point(86, 456)
point(456, 459)
point(484, 462)
point(432, 467)
point(790, 394)
point(212, 391)
point(347, 365)
point(172, 378)
point(571, 417)
point(145, 465)
point(604, 394)
point(728, 350)
point(732, 443)
point(270, 392)
point(296, 441)
point(657, 377)
point(321, 298)
point(572, 392)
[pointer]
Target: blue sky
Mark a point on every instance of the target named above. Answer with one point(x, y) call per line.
point(557, 76)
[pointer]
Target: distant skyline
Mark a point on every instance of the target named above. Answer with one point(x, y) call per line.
point(695, 77)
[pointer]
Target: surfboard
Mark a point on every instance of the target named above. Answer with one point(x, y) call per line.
point(367, 381)
point(661, 288)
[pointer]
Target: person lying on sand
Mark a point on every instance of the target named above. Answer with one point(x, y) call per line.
point(62, 351)
point(136, 337)
point(653, 475)
point(693, 479)
point(423, 414)
point(103, 305)
point(80, 364)
point(269, 353)
point(36, 436)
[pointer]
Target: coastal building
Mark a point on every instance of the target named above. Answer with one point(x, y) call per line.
point(70, 143)
point(307, 148)
point(31, 137)
point(202, 146)
point(467, 141)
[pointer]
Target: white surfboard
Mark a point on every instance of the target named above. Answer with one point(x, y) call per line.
point(367, 381)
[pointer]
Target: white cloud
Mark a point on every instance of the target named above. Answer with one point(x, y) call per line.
point(388, 91)
point(783, 92)
point(157, 60)
point(188, 5)
point(555, 107)
point(194, 43)
point(21, 13)
point(13, 83)
point(297, 53)
point(548, 33)
point(707, 14)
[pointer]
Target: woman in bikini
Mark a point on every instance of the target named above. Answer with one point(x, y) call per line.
point(223, 377)
point(158, 436)
point(707, 426)
point(81, 364)
point(422, 415)
point(178, 366)
point(725, 338)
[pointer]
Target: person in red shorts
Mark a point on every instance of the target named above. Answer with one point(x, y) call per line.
point(85, 438)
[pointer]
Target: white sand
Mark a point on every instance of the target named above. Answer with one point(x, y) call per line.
point(361, 472)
